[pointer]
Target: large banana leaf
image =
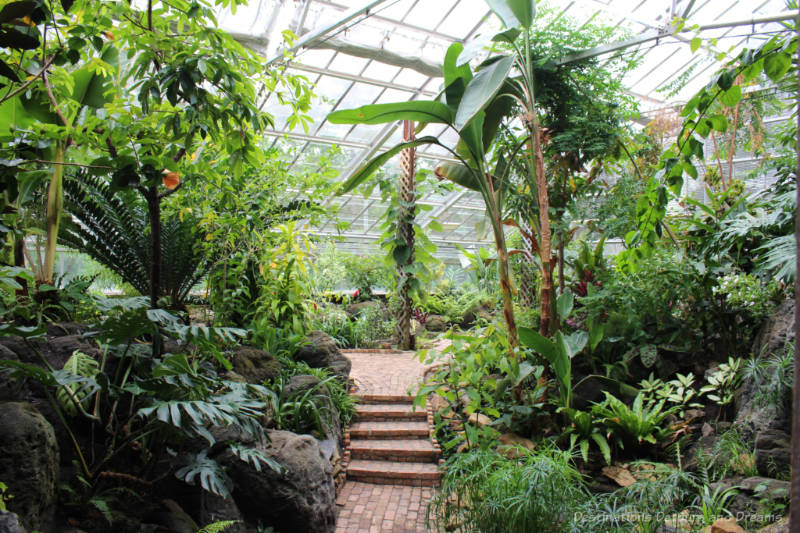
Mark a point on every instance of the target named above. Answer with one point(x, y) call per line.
point(90, 86)
point(514, 13)
point(481, 89)
point(460, 175)
point(456, 77)
point(416, 110)
point(370, 167)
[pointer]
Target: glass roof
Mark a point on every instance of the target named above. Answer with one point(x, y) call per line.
point(358, 52)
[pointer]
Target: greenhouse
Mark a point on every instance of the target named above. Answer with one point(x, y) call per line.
point(362, 266)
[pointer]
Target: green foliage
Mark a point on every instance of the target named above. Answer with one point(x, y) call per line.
point(218, 527)
point(70, 398)
point(585, 429)
point(773, 376)
point(5, 497)
point(634, 425)
point(366, 273)
point(747, 294)
point(724, 382)
point(679, 392)
point(112, 229)
point(713, 505)
point(483, 491)
point(730, 454)
point(477, 378)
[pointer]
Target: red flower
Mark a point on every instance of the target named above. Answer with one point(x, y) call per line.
point(355, 293)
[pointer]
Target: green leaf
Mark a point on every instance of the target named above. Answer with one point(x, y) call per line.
point(719, 123)
point(595, 335)
point(732, 96)
point(514, 13)
point(481, 89)
point(508, 36)
point(401, 254)
point(564, 304)
point(538, 343)
point(602, 443)
point(370, 167)
point(89, 87)
point(776, 65)
point(456, 77)
point(695, 44)
point(459, 174)
point(17, 10)
point(417, 110)
point(434, 225)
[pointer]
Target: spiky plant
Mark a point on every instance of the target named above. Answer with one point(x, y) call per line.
point(112, 229)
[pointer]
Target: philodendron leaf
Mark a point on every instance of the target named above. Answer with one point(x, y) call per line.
point(481, 89)
point(564, 304)
point(417, 110)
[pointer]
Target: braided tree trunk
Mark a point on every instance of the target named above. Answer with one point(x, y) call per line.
point(405, 230)
point(527, 279)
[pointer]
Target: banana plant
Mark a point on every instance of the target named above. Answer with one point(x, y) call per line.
point(474, 104)
point(89, 86)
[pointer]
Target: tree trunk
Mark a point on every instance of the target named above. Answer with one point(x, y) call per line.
point(405, 230)
point(505, 288)
point(55, 202)
point(154, 214)
point(545, 248)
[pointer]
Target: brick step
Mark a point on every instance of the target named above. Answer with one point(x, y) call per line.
point(389, 412)
point(389, 430)
point(392, 473)
point(401, 450)
point(384, 398)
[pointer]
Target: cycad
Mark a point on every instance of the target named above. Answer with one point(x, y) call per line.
point(112, 230)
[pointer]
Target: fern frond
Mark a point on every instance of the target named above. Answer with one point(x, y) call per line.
point(217, 527)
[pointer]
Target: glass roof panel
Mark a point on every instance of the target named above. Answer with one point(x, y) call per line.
point(390, 52)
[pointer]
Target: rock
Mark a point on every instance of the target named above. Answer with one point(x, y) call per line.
point(475, 313)
point(357, 308)
point(29, 463)
point(622, 476)
point(773, 452)
point(302, 499)
point(726, 525)
point(255, 365)
point(510, 444)
point(750, 493)
point(481, 420)
point(11, 389)
point(321, 351)
point(756, 412)
point(215, 508)
point(58, 329)
point(588, 391)
point(435, 323)
point(298, 385)
point(9, 523)
point(781, 526)
point(175, 519)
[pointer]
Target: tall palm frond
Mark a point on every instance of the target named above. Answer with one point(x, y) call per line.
point(113, 230)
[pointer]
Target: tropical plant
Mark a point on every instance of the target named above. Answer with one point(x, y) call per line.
point(484, 491)
point(634, 425)
point(584, 429)
point(723, 383)
point(112, 229)
point(713, 505)
point(679, 392)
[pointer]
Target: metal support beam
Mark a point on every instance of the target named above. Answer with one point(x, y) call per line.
point(426, 68)
point(313, 36)
point(656, 34)
point(358, 79)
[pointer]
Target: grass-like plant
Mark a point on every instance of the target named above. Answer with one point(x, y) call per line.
point(484, 491)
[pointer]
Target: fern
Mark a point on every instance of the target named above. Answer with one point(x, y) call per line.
point(69, 396)
point(217, 527)
point(112, 229)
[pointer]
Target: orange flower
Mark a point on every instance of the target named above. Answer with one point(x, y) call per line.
point(171, 179)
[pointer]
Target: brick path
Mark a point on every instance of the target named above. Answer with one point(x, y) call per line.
point(390, 446)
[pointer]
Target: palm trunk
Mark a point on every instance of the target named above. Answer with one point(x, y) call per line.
point(544, 227)
point(154, 215)
point(405, 229)
point(55, 202)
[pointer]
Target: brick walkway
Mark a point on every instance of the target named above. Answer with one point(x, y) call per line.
point(385, 434)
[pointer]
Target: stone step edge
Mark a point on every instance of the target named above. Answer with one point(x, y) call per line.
point(370, 399)
point(377, 433)
point(431, 432)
